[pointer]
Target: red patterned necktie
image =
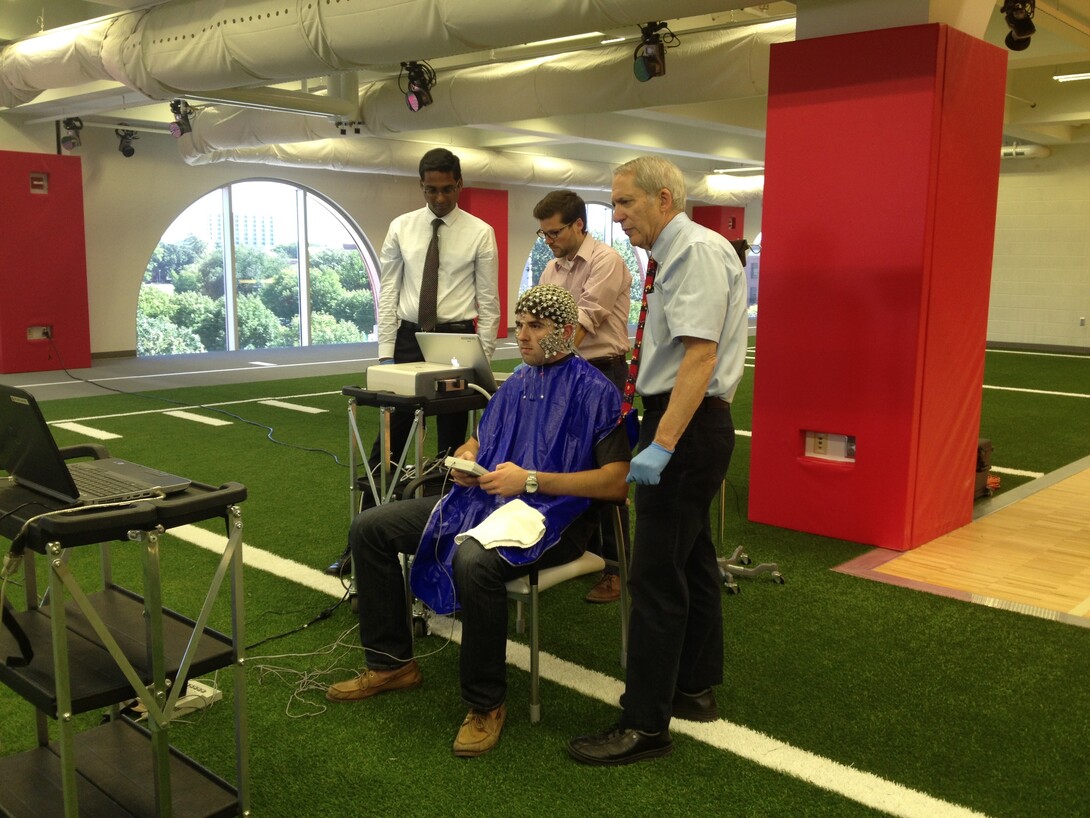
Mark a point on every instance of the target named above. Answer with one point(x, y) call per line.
point(429, 283)
point(634, 366)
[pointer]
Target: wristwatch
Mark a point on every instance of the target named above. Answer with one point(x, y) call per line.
point(531, 482)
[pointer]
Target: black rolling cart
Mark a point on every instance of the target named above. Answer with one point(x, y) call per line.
point(94, 649)
point(392, 472)
point(395, 474)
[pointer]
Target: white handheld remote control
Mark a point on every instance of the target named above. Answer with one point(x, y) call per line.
point(470, 466)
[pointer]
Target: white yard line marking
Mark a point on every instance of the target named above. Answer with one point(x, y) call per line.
point(1036, 391)
point(262, 363)
point(280, 404)
point(863, 787)
point(1018, 472)
point(1040, 354)
point(86, 431)
point(178, 413)
point(263, 560)
point(216, 405)
point(186, 374)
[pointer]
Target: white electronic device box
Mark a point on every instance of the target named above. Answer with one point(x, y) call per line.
point(418, 378)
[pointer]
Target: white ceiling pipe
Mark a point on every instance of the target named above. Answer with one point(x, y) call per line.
point(204, 45)
point(712, 65)
point(709, 65)
point(395, 158)
point(56, 59)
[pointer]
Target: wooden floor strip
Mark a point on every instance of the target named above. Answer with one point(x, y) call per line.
point(1030, 554)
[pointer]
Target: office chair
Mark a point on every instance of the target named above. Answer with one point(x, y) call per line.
point(525, 592)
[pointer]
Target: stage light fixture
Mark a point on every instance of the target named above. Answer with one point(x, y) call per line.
point(649, 59)
point(1019, 17)
point(421, 79)
point(71, 140)
point(181, 111)
point(125, 138)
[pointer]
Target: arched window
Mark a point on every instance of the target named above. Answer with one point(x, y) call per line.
point(296, 272)
point(600, 224)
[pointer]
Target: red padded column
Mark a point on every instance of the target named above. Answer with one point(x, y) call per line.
point(882, 166)
point(43, 262)
point(491, 206)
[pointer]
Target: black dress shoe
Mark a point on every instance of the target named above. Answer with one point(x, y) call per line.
point(696, 706)
point(617, 746)
point(340, 566)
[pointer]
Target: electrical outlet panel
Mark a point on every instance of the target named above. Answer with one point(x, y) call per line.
point(39, 332)
point(829, 446)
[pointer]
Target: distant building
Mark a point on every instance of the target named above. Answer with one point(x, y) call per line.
point(251, 230)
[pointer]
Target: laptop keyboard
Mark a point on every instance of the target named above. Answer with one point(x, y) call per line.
point(98, 483)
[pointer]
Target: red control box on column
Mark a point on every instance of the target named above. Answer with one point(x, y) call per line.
point(43, 264)
point(728, 222)
point(879, 221)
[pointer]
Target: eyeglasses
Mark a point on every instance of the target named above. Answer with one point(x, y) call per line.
point(552, 235)
point(449, 190)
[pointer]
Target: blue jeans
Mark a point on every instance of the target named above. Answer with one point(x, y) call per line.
point(676, 627)
point(379, 535)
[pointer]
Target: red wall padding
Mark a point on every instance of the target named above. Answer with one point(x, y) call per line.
point(882, 166)
point(43, 264)
point(491, 206)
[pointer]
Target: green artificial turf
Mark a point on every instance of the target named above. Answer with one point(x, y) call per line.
point(981, 707)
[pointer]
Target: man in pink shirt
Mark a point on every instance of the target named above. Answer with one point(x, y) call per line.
point(597, 277)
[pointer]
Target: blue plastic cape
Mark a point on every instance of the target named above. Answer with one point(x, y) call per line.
point(547, 418)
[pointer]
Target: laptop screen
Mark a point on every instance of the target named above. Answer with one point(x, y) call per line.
point(458, 349)
point(27, 449)
point(29, 453)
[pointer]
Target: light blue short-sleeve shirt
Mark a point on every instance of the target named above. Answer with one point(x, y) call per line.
point(699, 292)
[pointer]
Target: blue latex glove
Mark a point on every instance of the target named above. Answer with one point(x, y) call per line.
point(386, 361)
point(646, 467)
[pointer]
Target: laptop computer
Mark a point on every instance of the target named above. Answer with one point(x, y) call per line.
point(29, 454)
point(457, 349)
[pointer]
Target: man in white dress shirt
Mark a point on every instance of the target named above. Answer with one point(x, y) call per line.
point(467, 288)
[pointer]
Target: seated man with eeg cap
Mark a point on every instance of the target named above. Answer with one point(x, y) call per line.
point(552, 445)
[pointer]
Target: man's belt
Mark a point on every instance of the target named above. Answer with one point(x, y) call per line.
point(465, 325)
point(658, 403)
point(607, 359)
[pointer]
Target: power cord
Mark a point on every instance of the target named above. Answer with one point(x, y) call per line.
point(320, 617)
point(481, 389)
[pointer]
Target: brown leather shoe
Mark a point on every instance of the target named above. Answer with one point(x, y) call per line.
point(372, 682)
point(479, 732)
point(607, 589)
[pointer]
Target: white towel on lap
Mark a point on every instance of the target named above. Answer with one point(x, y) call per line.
point(513, 524)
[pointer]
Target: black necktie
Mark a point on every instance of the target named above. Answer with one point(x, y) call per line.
point(429, 282)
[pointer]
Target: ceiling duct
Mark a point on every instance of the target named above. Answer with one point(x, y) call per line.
point(204, 45)
point(397, 158)
point(713, 65)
